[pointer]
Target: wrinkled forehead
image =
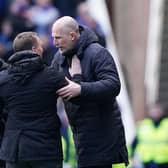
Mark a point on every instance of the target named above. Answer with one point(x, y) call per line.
point(59, 31)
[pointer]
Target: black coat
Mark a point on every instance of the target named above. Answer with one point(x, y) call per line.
point(32, 130)
point(95, 119)
point(3, 78)
point(3, 71)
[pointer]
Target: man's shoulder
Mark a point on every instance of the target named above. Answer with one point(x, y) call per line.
point(57, 60)
point(4, 77)
point(53, 77)
point(52, 73)
point(95, 48)
point(97, 52)
point(51, 70)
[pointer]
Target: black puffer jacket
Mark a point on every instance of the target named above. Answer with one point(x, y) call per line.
point(3, 79)
point(3, 72)
point(32, 130)
point(3, 65)
point(95, 119)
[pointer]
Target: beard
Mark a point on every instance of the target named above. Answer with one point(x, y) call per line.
point(70, 52)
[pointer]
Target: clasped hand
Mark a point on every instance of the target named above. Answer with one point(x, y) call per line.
point(71, 90)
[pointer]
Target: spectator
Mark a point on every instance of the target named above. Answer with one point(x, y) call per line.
point(42, 14)
point(85, 17)
point(3, 8)
point(19, 17)
point(67, 7)
point(150, 144)
point(49, 49)
point(6, 39)
point(68, 143)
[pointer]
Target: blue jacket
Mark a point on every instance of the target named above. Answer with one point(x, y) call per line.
point(94, 116)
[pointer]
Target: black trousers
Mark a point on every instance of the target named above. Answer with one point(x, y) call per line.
point(34, 164)
point(2, 164)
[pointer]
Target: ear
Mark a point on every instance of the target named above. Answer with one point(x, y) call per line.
point(73, 35)
point(34, 49)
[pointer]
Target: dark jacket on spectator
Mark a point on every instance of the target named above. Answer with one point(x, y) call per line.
point(3, 71)
point(3, 79)
point(32, 130)
point(95, 119)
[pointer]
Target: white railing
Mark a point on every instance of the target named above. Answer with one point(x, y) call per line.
point(154, 50)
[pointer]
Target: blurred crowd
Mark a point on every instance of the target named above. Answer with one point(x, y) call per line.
point(37, 15)
point(149, 148)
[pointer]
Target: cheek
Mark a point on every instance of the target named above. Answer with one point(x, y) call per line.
point(42, 50)
point(63, 41)
point(68, 42)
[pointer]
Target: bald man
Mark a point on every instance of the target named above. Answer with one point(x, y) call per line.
point(91, 107)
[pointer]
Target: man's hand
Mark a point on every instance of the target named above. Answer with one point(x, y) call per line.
point(75, 66)
point(71, 90)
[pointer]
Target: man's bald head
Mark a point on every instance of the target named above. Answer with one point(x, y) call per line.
point(65, 32)
point(67, 24)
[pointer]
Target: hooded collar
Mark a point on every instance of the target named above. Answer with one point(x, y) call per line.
point(22, 55)
point(87, 37)
point(24, 64)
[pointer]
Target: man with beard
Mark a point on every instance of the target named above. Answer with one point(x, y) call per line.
point(92, 109)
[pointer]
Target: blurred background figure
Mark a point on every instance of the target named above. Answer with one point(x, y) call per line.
point(150, 145)
point(3, 9)
point(19, 16)
point(42, 15)
point(67, 139)
point(85, 17)
point(49, 49)
point(6, 38)
point(67, 7)
point(15, 20)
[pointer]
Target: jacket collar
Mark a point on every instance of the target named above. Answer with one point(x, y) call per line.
point(22, 55)
point(87, 37)
point(24, 64)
